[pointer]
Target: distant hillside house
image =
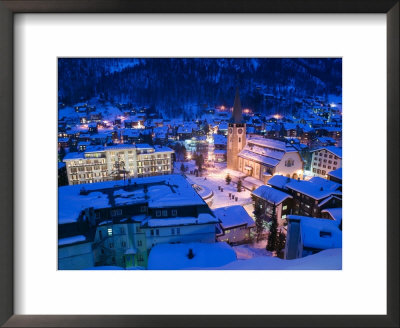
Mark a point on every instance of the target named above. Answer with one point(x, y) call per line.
point(306, 236)
point(263, 158)
point(98, 163)
point(325, 160)
point(110, 223)
point(235, 224)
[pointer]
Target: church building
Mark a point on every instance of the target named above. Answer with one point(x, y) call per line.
point(260, 158)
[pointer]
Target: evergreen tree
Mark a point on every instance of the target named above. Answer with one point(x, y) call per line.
point(182, 168)
point(239, 185)
point(273, 232)
point(228, 179)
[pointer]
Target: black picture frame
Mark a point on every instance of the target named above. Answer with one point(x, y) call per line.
point(10, 7)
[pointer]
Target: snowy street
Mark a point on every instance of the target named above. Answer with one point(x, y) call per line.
point(212, 178)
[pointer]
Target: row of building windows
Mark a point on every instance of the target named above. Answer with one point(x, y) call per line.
point(88, 168)
point(318, 171)
point(174, 231)
point(164, 213)
point(325, 155)
point(88, 175)
point(158, 156)
point(87, 162)
point(160, 161)
point(325, 161)
point(324, 166)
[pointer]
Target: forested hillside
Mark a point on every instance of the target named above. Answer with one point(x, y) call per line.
point(175, 85)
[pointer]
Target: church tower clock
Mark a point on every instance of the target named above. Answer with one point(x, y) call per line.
point(236, 134)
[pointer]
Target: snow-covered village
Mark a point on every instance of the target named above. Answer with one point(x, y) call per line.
point(199, 164)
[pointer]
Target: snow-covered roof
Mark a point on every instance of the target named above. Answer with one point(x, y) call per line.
point(71, 203)
point(272, 143)
point(233, 216)
point(269, 161)
point(143, 146)
point(71, 240)
point(326, 184)
point(175, 256)
point(120, 146)
point(203, 218)
point(337, 151)
point(314, 190)
point(319, 233)
point(73, 155)
point(266, 151)
point(335, 213)
point(279, 181)
point(83, 143)
point(219, 139)
point(270, 194)
point(336, 173)
point(182, 194)
point(162, 149)
point(163, 191)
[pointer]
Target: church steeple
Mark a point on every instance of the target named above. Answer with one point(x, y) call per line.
point(236, 134)
point(237, 116)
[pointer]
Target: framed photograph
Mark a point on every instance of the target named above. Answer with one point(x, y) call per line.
point(176, 164)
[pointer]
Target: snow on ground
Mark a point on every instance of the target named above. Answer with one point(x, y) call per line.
point(175, 256)
point(249, 251)
point(330, 259)
point(71, 240)
point(213, 177)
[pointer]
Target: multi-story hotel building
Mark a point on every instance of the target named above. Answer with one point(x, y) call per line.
point(325, 160)
point(97, 164)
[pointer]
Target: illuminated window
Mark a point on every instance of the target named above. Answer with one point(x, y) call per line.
point(109, 231)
